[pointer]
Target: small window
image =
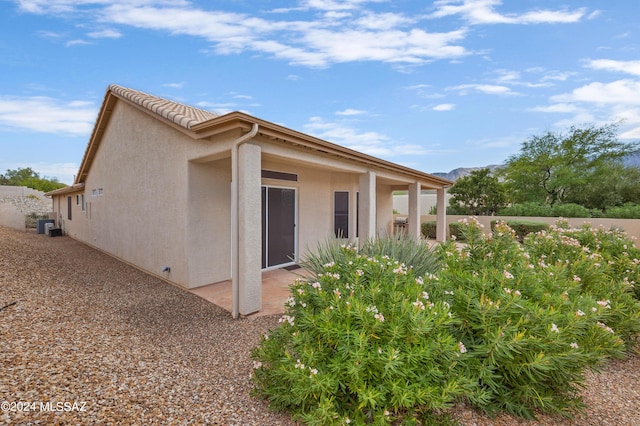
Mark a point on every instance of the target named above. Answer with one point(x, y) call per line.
point(99, 192)
point(341, 214)
point(84, 206)
point(271, 174)
point(94, 192)
point(69, 207)
point(77, 200)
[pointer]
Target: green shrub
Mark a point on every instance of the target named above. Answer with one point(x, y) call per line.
point(428, 229)
point(543, 210)
point(502, 325)
point(527, 209)
point(455, 231)
point(363, 341)
point(628, 211)
point(531, 319)
point(596, 213)
point(570, 210)
point(405, 250)
point(522, 227)
point(402, 248)
point(611, 253)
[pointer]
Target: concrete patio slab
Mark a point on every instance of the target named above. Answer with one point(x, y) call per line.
point(275, 290)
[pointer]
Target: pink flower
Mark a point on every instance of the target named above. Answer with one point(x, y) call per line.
point(605, 327)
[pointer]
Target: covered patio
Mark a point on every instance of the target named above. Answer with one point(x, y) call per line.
point(275, 290)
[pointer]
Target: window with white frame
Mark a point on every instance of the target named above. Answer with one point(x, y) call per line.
point(341, 214)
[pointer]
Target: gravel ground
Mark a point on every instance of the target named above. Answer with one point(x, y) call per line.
point(121, 347)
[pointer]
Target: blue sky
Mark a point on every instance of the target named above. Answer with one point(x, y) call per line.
point(432, 85)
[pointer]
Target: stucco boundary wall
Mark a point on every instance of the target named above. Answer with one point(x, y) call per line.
point(630, 226)
point(11, 217)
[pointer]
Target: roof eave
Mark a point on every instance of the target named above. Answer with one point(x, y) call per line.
point(274, 131)
point(76, 187)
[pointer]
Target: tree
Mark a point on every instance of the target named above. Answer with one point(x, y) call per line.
point(479, 193)
point(29, 178)
point(555, 167)
point(610, 186)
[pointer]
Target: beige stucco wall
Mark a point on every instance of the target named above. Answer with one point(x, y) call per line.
point(209, 232)
point(157, 198)
point(315, 190)
point(11, 216)
point(140, 217)
point(77, 224)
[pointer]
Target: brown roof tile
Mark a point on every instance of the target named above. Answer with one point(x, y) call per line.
point(182, 115)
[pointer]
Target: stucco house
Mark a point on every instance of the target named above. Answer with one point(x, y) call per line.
point(198, 198)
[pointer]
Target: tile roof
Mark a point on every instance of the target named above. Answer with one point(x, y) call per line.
point(182, 115)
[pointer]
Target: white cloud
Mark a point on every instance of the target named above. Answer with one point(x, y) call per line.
point(479, 12)
point(219, 108)
point(332, 5)
point(76, 42)
point(351, 111)
point(556, 108)
point(348, 34)
point(372, 143)
point(178, 85)
point(557, 75)
point(241, 96)
point(489, 89)
point(382, 21)
point(600, 103)
point(628, 67)
point(50, 34)
point(617, 92)
point(444, 107)
point(105, 34)
point(508, 76)
point(514, 78)
point(47, 115)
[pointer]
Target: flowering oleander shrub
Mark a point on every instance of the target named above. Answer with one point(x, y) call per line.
point(370, 338)
point(365, 340)
point(613, 253)
point(402, 248)
point(534, 316)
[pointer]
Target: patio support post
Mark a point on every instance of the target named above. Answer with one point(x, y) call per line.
point(249, 229)
point(241, 163)
point(367, 220)
point(414, 211)
point(441, 218)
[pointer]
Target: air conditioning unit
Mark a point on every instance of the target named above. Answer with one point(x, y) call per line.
point(47, 228)
point(40, 223)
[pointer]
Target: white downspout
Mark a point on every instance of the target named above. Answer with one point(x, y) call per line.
point(235, 208)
